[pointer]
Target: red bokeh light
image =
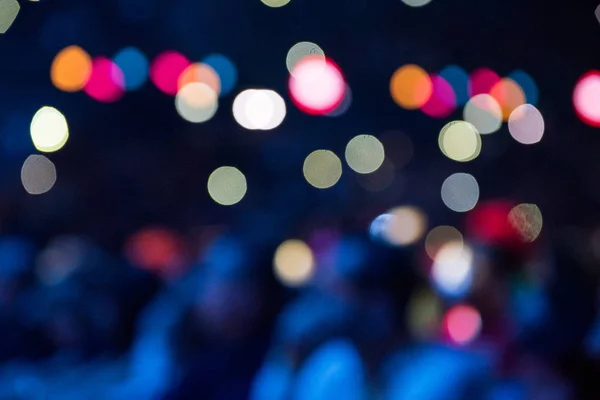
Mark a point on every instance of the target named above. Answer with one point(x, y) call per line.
point(481, 81)
point(586, 98)
point(462, 324)
point(156, 249)
point(443, 99)
point(316, 86)
point(166, 69)
point(107, 82)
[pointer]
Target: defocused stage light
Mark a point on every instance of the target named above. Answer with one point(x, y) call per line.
point(300, 51)
point(452, 270)
point(459, 80)
point(424, 314)
point(38, 174)
point(364, 154)
point(460, 141)
point(259, 109)
point(49, 129)
point(275, 3)
point(166, 69)
point(439, 237)
point(481, 81)
point(293, 263)
point(134, 65)
point(442, 101)
point(196, 102)
point(411, 87)
point(484, 113)
point(226, 70)
point(526, 82)
point(9, 9)
point(107, 83)
point(527, 220)
point(322, 169)
point(71, 69)
point(202, 73)
point(315, 87)
point(585, 98)
point(509, 96)
point(406, 226)
point(526, 124)
point(156, 249)
point(416, 3)
point(463, 324)
point(460, 192)
point(227, 186)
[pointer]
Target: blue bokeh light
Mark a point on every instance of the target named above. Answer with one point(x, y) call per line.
point(527, 84)
point(459, 80)
point(134, 65)
point(226, 70)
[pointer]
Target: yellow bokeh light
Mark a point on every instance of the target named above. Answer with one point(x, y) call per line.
point(38, 174)
point(196, 102)
point(322, 169)
point(484, 113)
point(527, 220)
point(440, 236)
point(411, 87)
point(49, 129)
point(460, 141)
point(227, 185)
point(71, 69)
point(365, 154)
point(9, 9)
point(293, 263)
point(275, 3)
point(509, 96)
point(301, 50)
point(405, 226)
point(424, 313)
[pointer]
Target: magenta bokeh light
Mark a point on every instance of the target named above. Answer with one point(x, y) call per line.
point(166, 69)
point(107, 82)
point(586, 98)
point(481, 81)
point(316, 86)
point(443, 99)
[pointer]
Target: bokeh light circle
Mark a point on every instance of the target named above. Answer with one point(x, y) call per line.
point(405, 226)
point(196, 102)
point(481, 81)
point(166, 69)
point(526, 124)
point(463, 324)
point(416, 3)
point(107, 82)
point(275, 3)
point(439, 237)
point(527, 83)
point(484, 113)
point(198, 72)
point(226, 70)
point(38, 174)
point(322, 169)
point(301, 50)
point(460, 141)
point(459, 80)
point(442, 101)
point(227, 185)
point(134, 65)
point(71, 69)
point(586, 98)
point(293, 263)
point(460, 192)
point(364, 154)
point(411, 87)
point(509, 96)
point(452, 270)
point(9, 11)
point(315, 87)
point(527, 220)
point(49, 129)
point(259, 109)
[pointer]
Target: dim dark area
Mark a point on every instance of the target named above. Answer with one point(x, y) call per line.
point(299, 199)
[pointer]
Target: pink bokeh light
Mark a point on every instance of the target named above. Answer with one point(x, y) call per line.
point(481, 81)
point(443, 99)
point(586, 98)
point(316, 86)
point(107, 82)
point(462, 324)
point(166, 69)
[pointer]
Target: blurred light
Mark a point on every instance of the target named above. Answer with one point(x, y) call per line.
point(107, 83)
point(597, 13)
point(416, 3)
point(463, 324)
point(490, 224)
point(527, 84)
point(380, 179)
point(316, 88)
point(293, 263)
point(398, 147)
point(344, 106)
point(364, 154)
point(275, 3)
point(134, 65)
point(166, 69)
point(227, 186)
point(406, 226)
point(378, 227)
point(411, 87)
point(226, 70)
point(585, 98)
point(527, 220)
point(301, 50)
point(460, 141)
point(452, 270)
point(196, 102)
point(482, 81)
point(484, 113)
point(509, 96)
point(198, 72)
point(460, 192)
point(442, 101)
point(71, 69)
point(322, 169)
point(439, 237)
point(9, 9)
point(526, 124)
point(38, 174)
point(156, 249)
point(279, 110)
point(49, 130)
point(459, 80)
point(259, 109)
point(61, 257)
point(424, 313)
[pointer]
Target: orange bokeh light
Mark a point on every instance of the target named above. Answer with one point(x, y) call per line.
point(198, 72)
point(411, 87)
point(71, 69)
point(509, 96)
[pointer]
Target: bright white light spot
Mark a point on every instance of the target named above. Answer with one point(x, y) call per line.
point(293, 263)
point(227, 185)
point(322, 169)
point(279, 110)
point(317, 88)
point(196, 102)
point(49, 130)
point(364, 154)
point(259, 109)
point(406, 226)
point(526, 124)
point(38, 174)
point(586, 98)
point(460, 141)
point(484, 113)
point(452, 269)
point(460, 192)
point(440, 236)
